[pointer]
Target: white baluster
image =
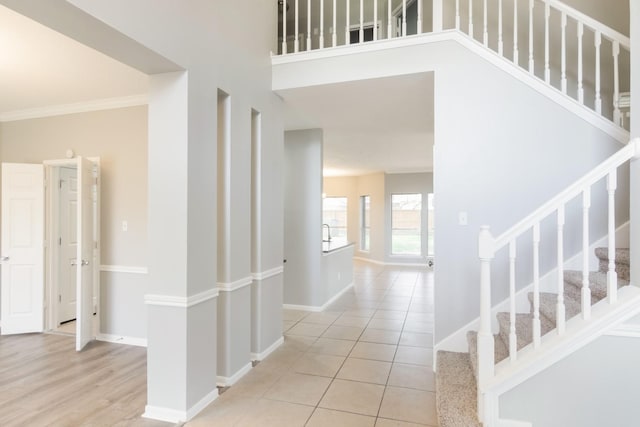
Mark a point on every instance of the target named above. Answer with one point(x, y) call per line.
point(334, 33)
point(536, 286)
point(560, 308)
point(617, 117)
point(500, 41)
point(612, 277)
point(586, 291)
point(308, 24)
point(284, 27)
point(485, 31)
point(580, 65)
point(457, 14)
point(531, 63)
point(516, 54)
point(321, 24)
point(361, 21)
point(347, 32)
point(389, 26)
point(598, 42)
point(486, 360)
point(419, 20)
point(296, 42)
point(404, 18)
point(471, 18)
point(563, 76)
point(513, 338)
point(547, 69)
point(375, 19)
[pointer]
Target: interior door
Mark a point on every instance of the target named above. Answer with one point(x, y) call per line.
point(22, 248)
point(68, 244)
point(84, 259)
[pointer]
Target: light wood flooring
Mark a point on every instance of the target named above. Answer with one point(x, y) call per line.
point(45, 382)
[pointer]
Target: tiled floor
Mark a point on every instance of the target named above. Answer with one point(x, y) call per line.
point(365, 361)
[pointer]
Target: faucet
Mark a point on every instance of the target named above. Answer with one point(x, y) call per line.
point(328, 232)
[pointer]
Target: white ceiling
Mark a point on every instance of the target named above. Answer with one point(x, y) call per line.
point(40, 67)
point(370, 126)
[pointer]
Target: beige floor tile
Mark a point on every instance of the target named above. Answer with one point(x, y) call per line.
point(368, 371)
point(389, 314)
point(416, 339)
point(394, 306)
point(332, 346)
point(343, 332)
point(255, 383)
point(307, 329)
point(299, 388)
point(418, 326)
point(297, 342)
point(352, 396)
point(386, 324)
point(380, 336)
point(420, 317)
point(323, 365)
point(223, 411)
point(356, 321)
point(327, 418)
point(414, 355)
point(287, 324)
point(293, 315)
point(363, 312)
point(374, 351)
point(271, 413)
point(405, 404)
point(324, 318)
point(383, 422)
point(412, 376)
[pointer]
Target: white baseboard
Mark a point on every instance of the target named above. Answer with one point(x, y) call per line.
point(175, 416)
point(457, 341)
point(393, 264)
point(229, 381)
point(119, 339)
point(261, 356)
point(315, 308)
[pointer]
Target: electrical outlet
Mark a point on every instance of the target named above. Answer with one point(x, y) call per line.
point(463, 218)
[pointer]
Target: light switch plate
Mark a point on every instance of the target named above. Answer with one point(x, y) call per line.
point(463, 218)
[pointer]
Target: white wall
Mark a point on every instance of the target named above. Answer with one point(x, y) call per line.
point(593, 387)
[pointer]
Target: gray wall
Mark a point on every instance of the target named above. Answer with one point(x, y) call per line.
point(303, 218)
point(119, 138)
point(593, 387)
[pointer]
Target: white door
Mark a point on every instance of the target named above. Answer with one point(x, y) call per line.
point(68, 244)
point(22, 248)
point(84, 261)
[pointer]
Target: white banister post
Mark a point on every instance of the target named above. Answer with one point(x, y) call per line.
point(617, 117)
point(586, 290)
point(547, 69)
point(308, 24)
point(612, 276)
point(500, 41)
point(404, 18)
point(296, 42)
point(485, 351)
point(598, 102)
point(321, 25)
point(515, 33)
point(513, 338)
point(438, 12)
point(389, 26)
point(471, 19)
point(563, 76)
point(536, 286)
point(347, 32)
point(531, 61)
point(361, 33)
point(580, 61)
point(375, 20)
point(485, 30)
point(419, 20)
point(284, 27)
point(560, 307)
point(457, 14)
point(334, 32)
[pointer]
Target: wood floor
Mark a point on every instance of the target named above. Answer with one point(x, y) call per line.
point(45, 382)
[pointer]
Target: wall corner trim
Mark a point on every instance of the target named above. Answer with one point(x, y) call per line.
point(229, 381)
point(261, 356)
point(181, 302)
point(234, 286)
point(263, 275)
point(119, 339)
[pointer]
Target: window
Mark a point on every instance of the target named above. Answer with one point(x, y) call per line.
point(334, 214)
point(365, 223)
point(406, 219)
point(430, 225)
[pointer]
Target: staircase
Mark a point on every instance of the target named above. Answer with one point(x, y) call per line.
point(457, 373)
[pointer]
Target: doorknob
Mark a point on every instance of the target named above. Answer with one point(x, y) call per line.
point(4, 258)
point(84, 262)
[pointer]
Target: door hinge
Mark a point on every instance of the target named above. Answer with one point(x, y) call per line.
point(59, 241)
point(60, 184)
point(59, 298)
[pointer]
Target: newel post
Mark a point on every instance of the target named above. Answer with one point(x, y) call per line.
point(437, 16)
point(486, 363)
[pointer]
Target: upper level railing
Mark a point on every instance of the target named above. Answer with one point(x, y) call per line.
point(528, 230)
point(578, 55)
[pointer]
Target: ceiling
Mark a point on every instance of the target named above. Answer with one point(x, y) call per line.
point(378, 125)
point(40, 67)
point(370, 126)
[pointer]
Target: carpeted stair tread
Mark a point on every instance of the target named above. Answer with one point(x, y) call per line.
point(524, 327)
point(500, 350)
point(549, 304)
point(597, 284)
point(622, 261)
point(456, 395)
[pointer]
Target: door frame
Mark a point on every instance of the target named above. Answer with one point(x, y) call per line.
point(52, 254)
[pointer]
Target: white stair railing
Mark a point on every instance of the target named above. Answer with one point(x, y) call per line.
point(530, 226)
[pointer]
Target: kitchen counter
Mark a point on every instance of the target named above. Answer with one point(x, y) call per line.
point(335, 245)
